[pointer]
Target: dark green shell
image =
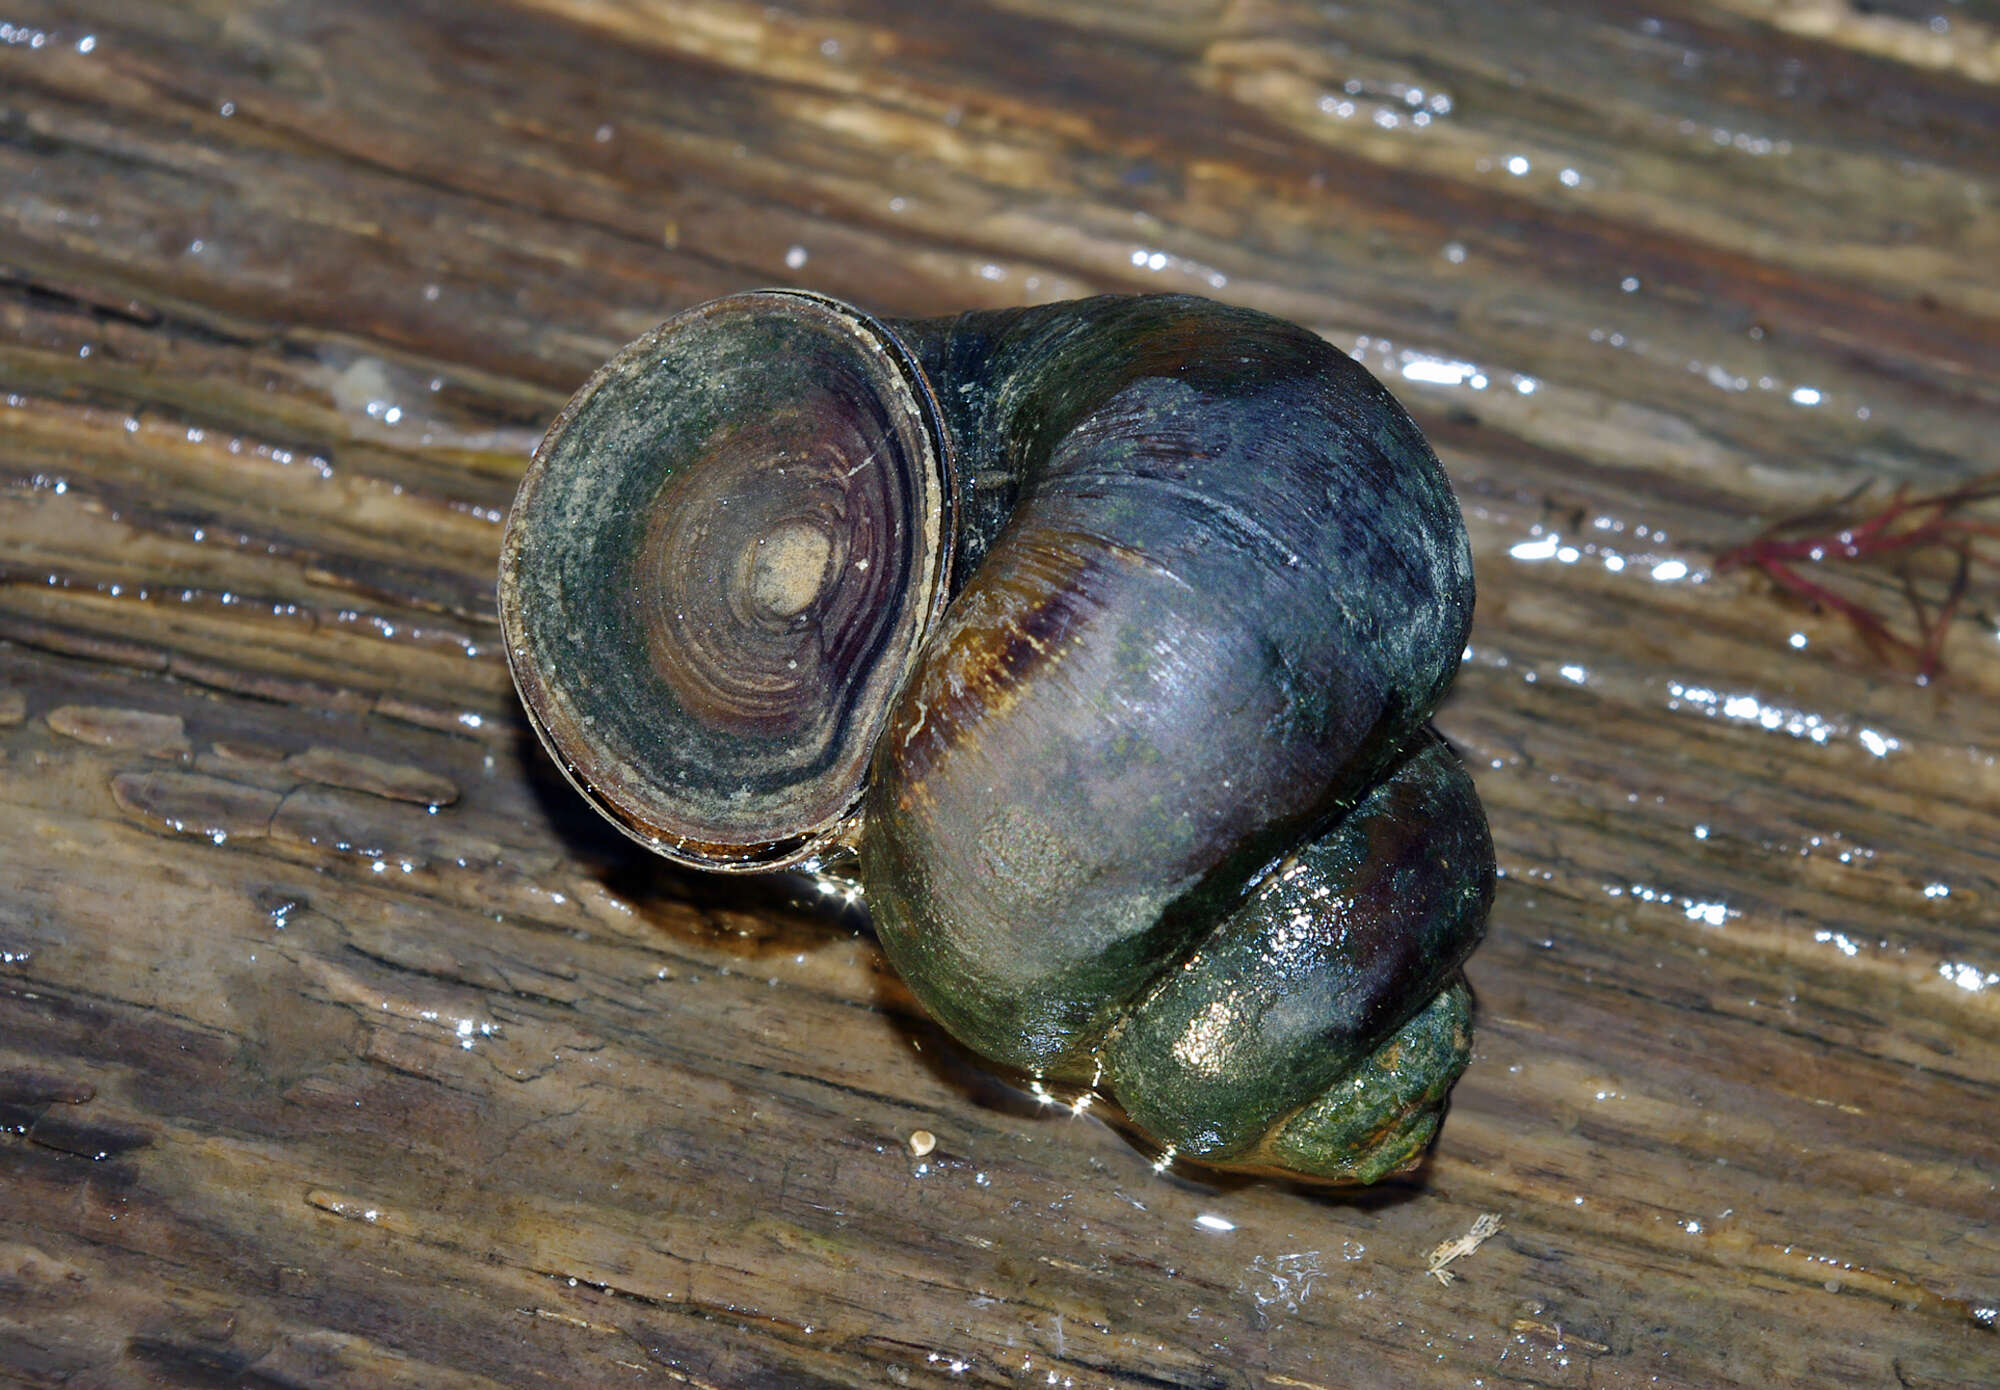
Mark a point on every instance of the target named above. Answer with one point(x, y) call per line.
point(1134, 752)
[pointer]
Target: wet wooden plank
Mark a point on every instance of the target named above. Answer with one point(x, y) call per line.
point(311, 1074)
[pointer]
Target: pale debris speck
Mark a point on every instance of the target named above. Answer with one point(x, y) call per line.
point(1483, 1229)
point(922, 1142)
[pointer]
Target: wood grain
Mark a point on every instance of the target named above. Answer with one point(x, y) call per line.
point(339, 1045)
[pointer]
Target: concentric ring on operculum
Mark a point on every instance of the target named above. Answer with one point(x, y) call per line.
point(719, 570)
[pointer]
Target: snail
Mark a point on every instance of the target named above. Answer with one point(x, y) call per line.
point(1100, 638)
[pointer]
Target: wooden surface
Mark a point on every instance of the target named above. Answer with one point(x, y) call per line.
point(306, 1081)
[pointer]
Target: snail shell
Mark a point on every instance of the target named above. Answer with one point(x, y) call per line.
point(1104, 632)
